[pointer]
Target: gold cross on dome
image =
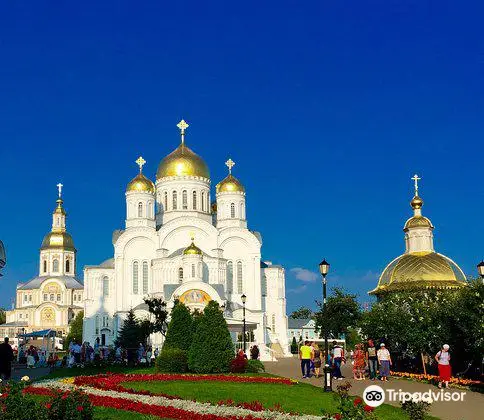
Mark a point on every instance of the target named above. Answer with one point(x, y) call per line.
point(230, 164)
point(59, 188)
point(416, 179)
point(140, 162)
point(182, 125)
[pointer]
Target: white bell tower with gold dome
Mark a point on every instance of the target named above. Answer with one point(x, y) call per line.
point(57, 253)
point(140, 200)
point(182, 184)
point(230, 201)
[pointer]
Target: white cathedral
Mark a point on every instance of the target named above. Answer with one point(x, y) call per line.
point(177, 245)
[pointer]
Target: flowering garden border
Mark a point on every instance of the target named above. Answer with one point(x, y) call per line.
point(434, 379)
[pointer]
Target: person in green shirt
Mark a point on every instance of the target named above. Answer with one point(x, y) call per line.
point(305, 356)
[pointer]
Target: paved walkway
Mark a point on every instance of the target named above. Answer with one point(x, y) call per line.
point(471, 409)
point(31, 373)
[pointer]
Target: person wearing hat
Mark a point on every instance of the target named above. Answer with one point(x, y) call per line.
point(443, 359)
point(385, 362)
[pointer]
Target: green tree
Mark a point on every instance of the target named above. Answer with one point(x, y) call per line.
point(212, 349)
point(131, 334)
point(294, 347)
point(341, 312)
point(302, 313)
point(3, 316)
point(75, 330)
point(157, 307)
point(352, 338)
point(179, 333)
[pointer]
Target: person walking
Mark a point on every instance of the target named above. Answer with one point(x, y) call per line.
point(316, 360)
point(372, 360)
point(6, 357)
point(443, 359)
point(305, 356)
point(359, 363)
point(338, 357)
point(385, 361)
point(254, 352)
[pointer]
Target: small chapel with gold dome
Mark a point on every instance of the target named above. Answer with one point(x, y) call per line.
point(179, 244)
point(420, 267)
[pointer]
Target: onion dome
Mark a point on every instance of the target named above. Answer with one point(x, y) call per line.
point(420, 270)
point(140, 183)
point(418, 222)
point(58, 240)
point(416, 202)
point(182, 161)
point(230, 183)
point(192, 249)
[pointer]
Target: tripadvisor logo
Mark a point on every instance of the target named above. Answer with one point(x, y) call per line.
point(375, 395)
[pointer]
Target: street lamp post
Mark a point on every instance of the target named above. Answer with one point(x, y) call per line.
point(480, 270)
point(244, 299)
point(323, 269)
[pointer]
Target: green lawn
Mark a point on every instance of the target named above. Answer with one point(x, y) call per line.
point(300, 398)
point(66, 372)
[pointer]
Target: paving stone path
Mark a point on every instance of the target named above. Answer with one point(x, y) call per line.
point(471, 409)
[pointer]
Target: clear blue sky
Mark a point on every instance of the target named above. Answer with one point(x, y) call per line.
point(328, 108)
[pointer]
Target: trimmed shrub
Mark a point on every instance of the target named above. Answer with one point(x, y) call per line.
point(254, 366)
point(212, 349)
point(179, 333)
point(294, 347)
point(73, 406)
point(238, 365)
point(172, 361)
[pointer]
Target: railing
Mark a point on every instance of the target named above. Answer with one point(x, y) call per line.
point(239, 345)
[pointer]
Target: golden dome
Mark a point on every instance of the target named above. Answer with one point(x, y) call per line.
point(59, 209)
point(141, 184)
point(230, 184)
point(418, 221)
point(416, 202)
point(420, 270)
point(182, 162)
point(60, 240)
point(192, 250)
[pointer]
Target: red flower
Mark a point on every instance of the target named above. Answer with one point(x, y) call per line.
point(357, 401)
point(368, 408)
point(337, 416)
point(80, 408)
point(48, 405)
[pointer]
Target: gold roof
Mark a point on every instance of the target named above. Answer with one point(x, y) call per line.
point(182, 162)
point(141, 184)
point(60, 240)
point(420, 270)
point(418, 221)
point(192, 250)
point(59, 209)
point(230, 184)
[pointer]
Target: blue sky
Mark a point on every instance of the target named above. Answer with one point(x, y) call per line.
point(328, 110)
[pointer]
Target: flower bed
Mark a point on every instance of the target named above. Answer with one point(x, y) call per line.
point(434, 378)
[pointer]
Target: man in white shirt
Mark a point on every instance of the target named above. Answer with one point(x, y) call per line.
point(338, 357)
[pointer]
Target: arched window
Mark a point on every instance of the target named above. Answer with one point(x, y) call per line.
point(68, 266)
point(242, 215)
point(58, 297)
point(264, 285)
point(166, 201)
point(230, 276)
point(180, 275)
point(105, 286)
point(135, 277)
point(140, 209)
point(194, 200)
point(184, 200)
point(240, 284)
point(150, 209)
point(55, 265)
point(193, 270)
point(74, 298)
point(145, 277)
point(45, 266)
point(52, 297)
point(97, 324)
point(174, 200)
point(273, 324)
point(232, 210)
point(203, 200)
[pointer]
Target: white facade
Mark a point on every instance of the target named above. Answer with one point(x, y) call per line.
point(177, 244)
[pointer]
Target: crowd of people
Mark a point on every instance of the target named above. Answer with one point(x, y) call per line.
point(366, 359)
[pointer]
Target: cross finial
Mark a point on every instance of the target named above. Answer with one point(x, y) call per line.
point(140, 162)
point(416, 179)
point(182, 125)
point(59, 188)
point(230, 164)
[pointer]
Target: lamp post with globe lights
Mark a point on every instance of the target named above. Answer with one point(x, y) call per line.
point(480, 270)
point(244, 299)
point(324, 269)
